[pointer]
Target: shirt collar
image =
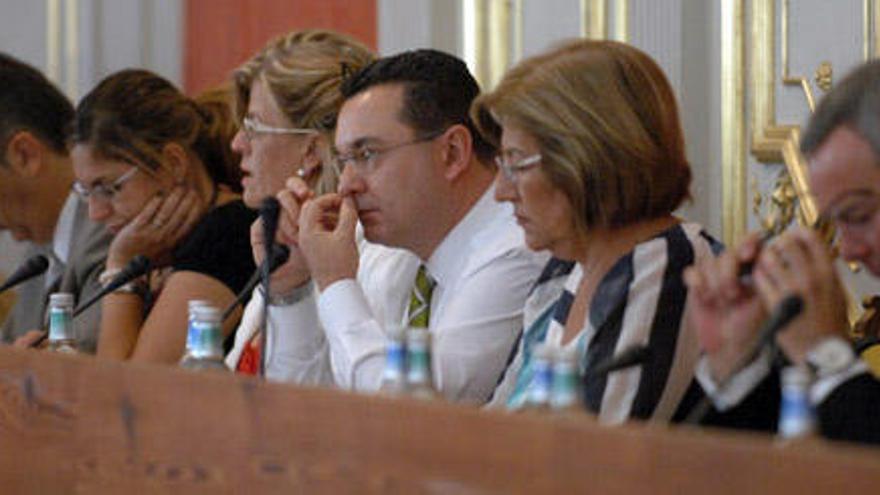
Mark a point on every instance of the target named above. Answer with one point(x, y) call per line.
point(61, 239)
point(447, 259)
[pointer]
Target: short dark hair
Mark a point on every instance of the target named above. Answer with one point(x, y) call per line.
point(29, 101)
point(439, 90)
point(853, 102)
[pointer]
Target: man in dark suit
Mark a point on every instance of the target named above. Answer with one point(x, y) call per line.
point(842, 145)
point(38, 205)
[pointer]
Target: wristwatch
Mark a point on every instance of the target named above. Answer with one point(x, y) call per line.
point(831, 355)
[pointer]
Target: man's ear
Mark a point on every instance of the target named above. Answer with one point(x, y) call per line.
point(25, 154)
point(457, 151)
point(176, 161)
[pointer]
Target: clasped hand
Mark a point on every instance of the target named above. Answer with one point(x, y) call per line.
point(157, 229)
point(728, 312)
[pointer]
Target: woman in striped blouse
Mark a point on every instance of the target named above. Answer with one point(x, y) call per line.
point(592, 158)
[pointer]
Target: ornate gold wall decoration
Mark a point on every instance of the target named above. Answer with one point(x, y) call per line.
point(778, 143)
point(493, 37)
point(733, 140)
point(824, 76)
point(595, 19)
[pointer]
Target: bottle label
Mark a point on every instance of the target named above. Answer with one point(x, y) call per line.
point(542, 381)
point(418, 366)
point(564, 392)
point(394, 361)
point(203, 339)
point(60, 324)
point(795, 414)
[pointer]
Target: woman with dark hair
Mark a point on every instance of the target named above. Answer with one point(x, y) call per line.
point(155, 168)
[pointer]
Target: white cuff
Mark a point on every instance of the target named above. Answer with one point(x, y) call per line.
point(738, 386)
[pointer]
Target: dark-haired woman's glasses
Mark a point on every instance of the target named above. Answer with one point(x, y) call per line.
point(103, 192)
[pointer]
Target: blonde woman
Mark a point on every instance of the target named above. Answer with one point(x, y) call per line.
point(592, 158)
point(286, 98)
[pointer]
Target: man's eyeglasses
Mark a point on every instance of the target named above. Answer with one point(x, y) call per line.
point(854, 211)
point(364, 159)
point(511, 165)
point(253, 128)
point(104, 192)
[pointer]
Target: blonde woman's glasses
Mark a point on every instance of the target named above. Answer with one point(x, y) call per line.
point(252, 128)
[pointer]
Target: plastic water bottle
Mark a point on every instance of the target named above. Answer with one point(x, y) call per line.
point(565, 392)
point(796, 415)
point(419, 374)
point(394, 374)
point(538, 398)
point(62, 337)
point(204, 349)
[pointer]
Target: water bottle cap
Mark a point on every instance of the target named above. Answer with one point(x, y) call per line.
point(205, 313)
point(194, 303)
point(61, 299)
point(418, 335)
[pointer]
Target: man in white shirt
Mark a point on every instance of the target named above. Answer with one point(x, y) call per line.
point(842, 143)
point(418, 179)
point(37, 205)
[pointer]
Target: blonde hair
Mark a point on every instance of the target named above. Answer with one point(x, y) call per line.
point(607, 124)
point(303, 71)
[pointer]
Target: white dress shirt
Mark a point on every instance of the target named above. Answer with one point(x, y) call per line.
point(62, 238)
point(483, 271)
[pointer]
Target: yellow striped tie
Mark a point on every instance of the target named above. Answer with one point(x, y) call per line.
point(420, 300)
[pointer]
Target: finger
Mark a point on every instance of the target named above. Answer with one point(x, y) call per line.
point(145, 217)
point(313, 213)
point(748, 249)
point(191, 218)
point(816, 251)
point(177, 219)
point(347, 220)
point(169, 206)
point(299, 188)
point(768, 290)
point(696, 283)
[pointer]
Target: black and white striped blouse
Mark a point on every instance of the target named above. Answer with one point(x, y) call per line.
point(641, 300)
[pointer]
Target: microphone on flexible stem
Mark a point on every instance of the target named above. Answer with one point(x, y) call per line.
point(631, 356)
point(787, 309)
point(280, 255)
point(138, 266)
point(32, 267)
point(269, 212)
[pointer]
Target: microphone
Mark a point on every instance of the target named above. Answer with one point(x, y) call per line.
point(631, 356)
point(782, 314)
point(269, 212)
point(32, 267)
point(139, 265)
point(787, 309)
point(280, 255)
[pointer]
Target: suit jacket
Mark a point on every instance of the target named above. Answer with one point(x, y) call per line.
point(851, 412)
point(88, 251)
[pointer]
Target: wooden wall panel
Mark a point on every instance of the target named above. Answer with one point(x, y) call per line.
point(221, 34)
point(80, 425)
